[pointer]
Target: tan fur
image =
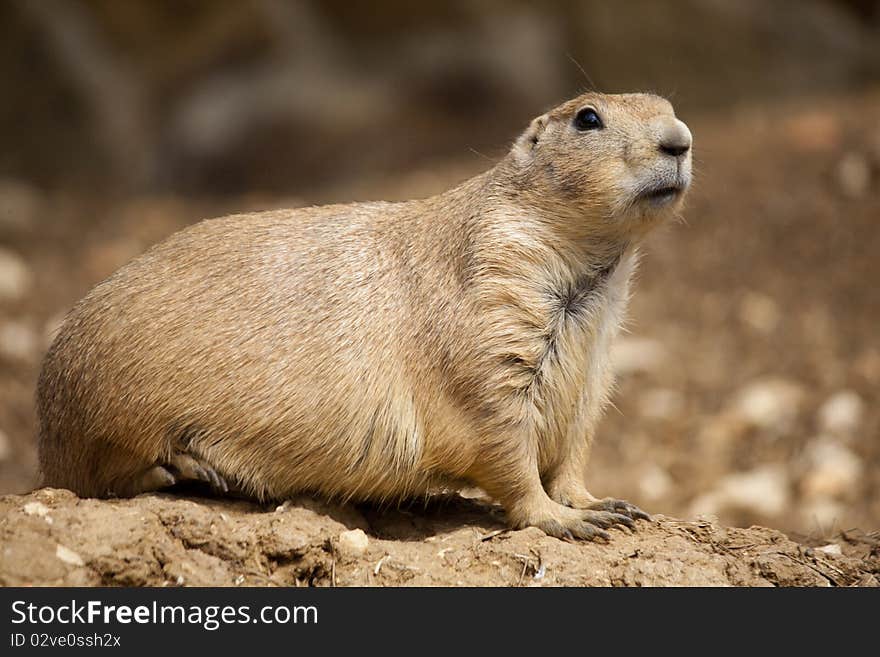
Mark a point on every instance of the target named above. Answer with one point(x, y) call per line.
point(370, 351)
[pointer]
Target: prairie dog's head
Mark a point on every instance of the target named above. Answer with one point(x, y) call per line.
point(623, 160)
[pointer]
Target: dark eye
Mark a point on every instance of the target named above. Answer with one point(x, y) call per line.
point(588, 119)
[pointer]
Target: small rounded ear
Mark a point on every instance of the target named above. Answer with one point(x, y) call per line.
point(527, 141)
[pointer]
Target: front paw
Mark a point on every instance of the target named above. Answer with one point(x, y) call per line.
point(583, 524)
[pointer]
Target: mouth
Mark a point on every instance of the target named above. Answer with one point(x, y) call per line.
point(662, 195)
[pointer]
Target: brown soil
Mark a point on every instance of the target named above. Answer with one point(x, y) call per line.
point(53, 538)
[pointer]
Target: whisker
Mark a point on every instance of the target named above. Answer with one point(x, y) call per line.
point(581, 68)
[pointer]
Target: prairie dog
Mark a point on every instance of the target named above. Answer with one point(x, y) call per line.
point(372, 351)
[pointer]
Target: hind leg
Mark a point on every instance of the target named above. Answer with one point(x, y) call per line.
point(182, 468)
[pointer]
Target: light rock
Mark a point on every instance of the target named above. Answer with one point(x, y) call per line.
point(769, 403)
point(759, 311)
point(655, 483)
point(841, 413)
point(68, 556)
point(831, 548)
point(5, 446)
point(630, 355)
point(17, 341)
point(854, 175)
point(833, 469)
point(15, 276)
point(353, 543)
point(36, 509)
point(763, 490)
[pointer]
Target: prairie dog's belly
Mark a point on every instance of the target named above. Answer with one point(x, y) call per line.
point(301, 416)
point(360, 445)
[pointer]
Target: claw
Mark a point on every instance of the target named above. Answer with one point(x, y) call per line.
point(621, 507)
point(607, 519)
point(599, 518)
point(152, 479)
point(157, 478)
point(588, 531)
point(190, 468)
point(218, 483)
point(571, 531)
point(626, 521)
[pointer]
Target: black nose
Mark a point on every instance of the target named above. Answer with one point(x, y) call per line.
point(674, 148)
point(675, 138)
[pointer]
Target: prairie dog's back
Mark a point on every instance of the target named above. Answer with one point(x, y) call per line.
point(267, 329)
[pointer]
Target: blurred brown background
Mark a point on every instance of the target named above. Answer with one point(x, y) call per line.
point(749, 378)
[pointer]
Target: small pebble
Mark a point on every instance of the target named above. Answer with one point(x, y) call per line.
point(833, 469)
point(769, 403)
point(763, 490)
point(36, 509)
point(68, 556)
point(354, 542)
point(841, 413)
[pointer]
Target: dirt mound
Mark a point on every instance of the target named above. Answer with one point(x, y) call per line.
point(51, 537)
